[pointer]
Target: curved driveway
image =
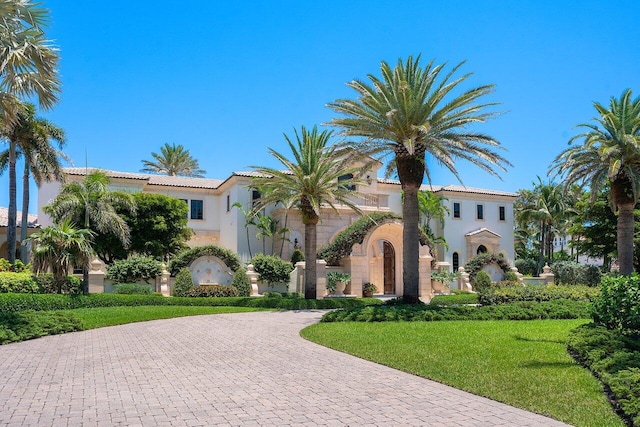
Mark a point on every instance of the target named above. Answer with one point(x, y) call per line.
point(250, 369)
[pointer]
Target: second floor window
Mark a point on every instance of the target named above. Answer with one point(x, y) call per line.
point(255, 196)
point(456, 210)
point(502, 213)
point(197, 209)
point(347, 177)
point(479, 212)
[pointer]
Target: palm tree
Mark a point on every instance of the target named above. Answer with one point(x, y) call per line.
point(546, 207)
point(90, 204)
point(32, 136)
point(249, 219)
point(405, 114)
point(311, 179)
point(173, 160)
point(27, 68)
point(58, 248)
point(609, 155)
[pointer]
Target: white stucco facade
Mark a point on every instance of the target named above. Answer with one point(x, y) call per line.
point(215, 220)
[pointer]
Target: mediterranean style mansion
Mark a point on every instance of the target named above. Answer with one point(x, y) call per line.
point(479, 220)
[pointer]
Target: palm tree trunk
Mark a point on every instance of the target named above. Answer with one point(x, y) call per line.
point(12, 225)
point(24, 223)
point(310, 271)
point(410, 244)
point(625, 228)
point(542, 247)
point(286, 218)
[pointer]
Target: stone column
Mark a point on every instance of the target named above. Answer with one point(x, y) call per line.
point(253, 278)
point(547, 275)
point(96, 277)
point(321, 283)
point(464, 283)
point(162, 282)
point(518, 274)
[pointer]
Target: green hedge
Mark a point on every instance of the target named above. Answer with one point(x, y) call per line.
point(48, 285)
point(573, 273)
point(21, 302)
point(355, 233)
point(505, 295)
point(208, 291)
point(186, 257)
point(559, 309)
point(133, 269)
point(132, 289)
point(18, 282)
point(615, 359)
point(454, 299)
point(272, 269)
point(27, 325)
point(241, 282)
point(618, 306)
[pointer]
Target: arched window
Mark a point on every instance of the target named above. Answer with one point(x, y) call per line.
point(456, 262)
point(482, 249)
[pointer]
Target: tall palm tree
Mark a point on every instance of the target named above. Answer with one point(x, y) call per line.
point(32, 136)
point(173, 160)
point(609, 155)
point(90, 204)
point(546, 207)
point(311, 178)
point(58, 248)
point(410, 112)
point(28, 64)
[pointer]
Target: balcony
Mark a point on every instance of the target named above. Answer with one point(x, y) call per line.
point(377, 201)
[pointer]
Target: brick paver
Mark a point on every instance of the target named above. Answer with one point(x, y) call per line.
point(249, 369)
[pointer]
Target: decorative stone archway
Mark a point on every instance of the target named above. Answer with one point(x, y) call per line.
point(366, 262)
point(482, 238)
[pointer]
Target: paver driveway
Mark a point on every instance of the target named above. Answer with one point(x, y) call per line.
point(229, 369)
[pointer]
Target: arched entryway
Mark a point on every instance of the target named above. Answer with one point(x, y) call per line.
point(389, 268)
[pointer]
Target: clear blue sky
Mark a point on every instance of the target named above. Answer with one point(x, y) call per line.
point(226, 79)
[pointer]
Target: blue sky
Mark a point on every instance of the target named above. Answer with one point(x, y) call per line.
point(226, 79)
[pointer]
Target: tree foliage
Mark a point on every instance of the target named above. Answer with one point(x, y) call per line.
point(609, 156)
point(411, 112)
point(311, 181)
point(158, 229)
point(173, 160)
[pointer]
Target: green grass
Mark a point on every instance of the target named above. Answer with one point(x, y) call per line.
point(92, 318)
point(521, 363)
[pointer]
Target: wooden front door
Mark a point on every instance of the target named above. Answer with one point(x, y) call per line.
point(389, 269)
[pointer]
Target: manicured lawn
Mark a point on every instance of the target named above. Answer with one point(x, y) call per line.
point(521, 363)
point(109, 316)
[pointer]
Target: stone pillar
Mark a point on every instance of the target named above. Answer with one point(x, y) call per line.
point(321, 283)
point(253, 278)
point(518, 274)
point(96, 277)
point(425, 291)
point(162, 282)
point(464, 283)
point(547, 275)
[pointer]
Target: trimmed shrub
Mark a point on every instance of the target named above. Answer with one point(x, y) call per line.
point(272, 269)
point(183, 283)
point(454, 299)
point(241, 282)
point(133, 269)
point(27, 325)
point(478, 262)
point(40, 302)
point(18, 283)
point(615, 359)
point(354, 233)
point(132, 289)
point(618, 306)
point(573, 273)
point(48, 285)
point(17, 267)
point(208, 291)
point(296, 257)
point(482, 281)
point(506, 295)
point(420, 312)
point(186, 257)
point(510, 276)
point(526, 266)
